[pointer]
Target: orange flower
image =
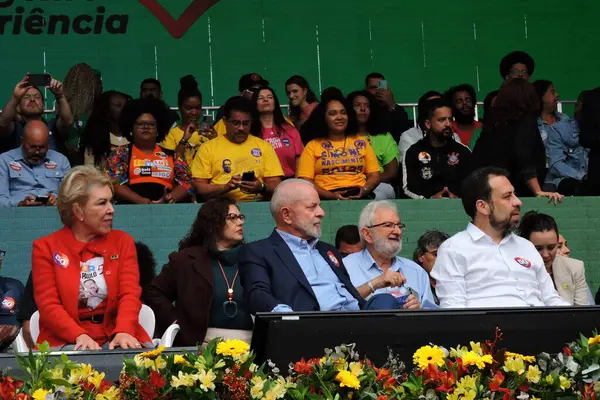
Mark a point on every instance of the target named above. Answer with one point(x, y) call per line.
point(304, 367)
point(447, 381)
point(382, 397)
point(382, 374)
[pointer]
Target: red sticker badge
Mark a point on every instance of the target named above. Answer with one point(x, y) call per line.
point(8, 303)
point(15, 166)
point(523, 262)
point(50, 165)
point(61, 260)
point(333, 259)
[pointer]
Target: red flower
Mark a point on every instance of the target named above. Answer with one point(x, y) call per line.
point(382, 397)
point(157, 381)
point(447, 380)
point(567, 351)
point(145, 390)
point(8, 387)
point(382, 374)
point(304, 367)
point(589, 393)
point(389, 382)
point(524, 387)
point(496, 381)
point(23, 396)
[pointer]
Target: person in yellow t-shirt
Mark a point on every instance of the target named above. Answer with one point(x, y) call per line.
point(340, 163)
point(185, 139)
point(237, 164)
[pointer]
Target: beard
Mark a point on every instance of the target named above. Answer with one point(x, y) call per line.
point(387, 247)
point(464, 119)
point(506, 226)
point(309, 229)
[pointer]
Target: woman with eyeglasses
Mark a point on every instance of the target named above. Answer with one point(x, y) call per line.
point(199, 286)
point(143, 172)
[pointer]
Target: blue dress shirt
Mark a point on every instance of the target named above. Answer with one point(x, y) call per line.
point(19, 179)
point(329, 290)
point(362, 268)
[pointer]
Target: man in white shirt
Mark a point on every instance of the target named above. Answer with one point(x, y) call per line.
point(487, 265)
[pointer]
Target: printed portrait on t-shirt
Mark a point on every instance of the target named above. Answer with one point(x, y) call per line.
point(92, 285)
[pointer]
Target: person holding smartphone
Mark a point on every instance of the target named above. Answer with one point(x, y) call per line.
point(27, 104)
point(341, 163)
point(394, 117)
point(30, 174)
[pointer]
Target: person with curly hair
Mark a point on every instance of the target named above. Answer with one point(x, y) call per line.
point(143, 172)
point(517, 64)
point(199, 287)
point(103, 134)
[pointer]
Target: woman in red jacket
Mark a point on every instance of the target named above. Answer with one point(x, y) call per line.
point(85, 276)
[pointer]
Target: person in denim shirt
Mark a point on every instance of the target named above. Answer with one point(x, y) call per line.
point(567, 160)
point(30, 174)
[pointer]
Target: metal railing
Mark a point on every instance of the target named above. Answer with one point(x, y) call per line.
point(212, 110)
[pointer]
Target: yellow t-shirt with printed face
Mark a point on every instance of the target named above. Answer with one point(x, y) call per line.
point(335, 164)
point(174, 137)
point(220, 159)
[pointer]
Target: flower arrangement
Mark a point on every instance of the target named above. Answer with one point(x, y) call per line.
point(226, 370)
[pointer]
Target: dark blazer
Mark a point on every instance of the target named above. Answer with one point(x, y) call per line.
point(183, 292)
point(270, 275)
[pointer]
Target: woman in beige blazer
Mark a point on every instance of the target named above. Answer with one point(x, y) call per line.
point(567, 274)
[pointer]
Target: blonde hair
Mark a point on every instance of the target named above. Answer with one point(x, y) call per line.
point(74, 189)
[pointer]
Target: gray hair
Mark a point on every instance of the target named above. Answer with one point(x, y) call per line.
point(282, 197)
point(368, 213)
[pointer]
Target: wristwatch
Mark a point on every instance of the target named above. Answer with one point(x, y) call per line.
point(183, 141)
point(371, 286)
point(263, 187)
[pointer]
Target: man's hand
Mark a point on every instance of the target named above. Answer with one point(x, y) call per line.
point(552, 196)
point(21, 87)
point(56, 87)
point(251, 187)
point(450, 194)
point(389, 279)
point(234, 182)
point(386, 96)
point(124, 341)
point(360, 194)
point(439, 194)
point(29, 201)
point(412, 302)
point(159, 201)
point(51, 200)
point(84, 342)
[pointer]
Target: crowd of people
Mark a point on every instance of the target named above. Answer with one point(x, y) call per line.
point(359, 146)
point(88, 282)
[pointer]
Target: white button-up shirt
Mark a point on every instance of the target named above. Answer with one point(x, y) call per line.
point(472, 271)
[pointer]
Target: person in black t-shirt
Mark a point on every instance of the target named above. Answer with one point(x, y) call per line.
point(436, 165)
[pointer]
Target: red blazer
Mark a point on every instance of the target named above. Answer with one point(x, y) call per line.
point(56, 272)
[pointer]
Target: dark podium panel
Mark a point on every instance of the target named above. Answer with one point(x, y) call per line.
point(287, 337)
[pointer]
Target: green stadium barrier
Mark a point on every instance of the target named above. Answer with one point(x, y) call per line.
point(162, 226)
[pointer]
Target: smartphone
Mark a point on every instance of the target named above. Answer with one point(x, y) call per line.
point(248, 176)
point(39, 80)
point(41, 199)
point(352, 192)
point(383, 84)
point(206, 124)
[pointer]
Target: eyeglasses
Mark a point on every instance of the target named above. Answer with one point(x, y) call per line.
point(389, 225)
point(237, 123)
point(145, 124)
point(235, 217)
point(519, 72)
point(2, 254)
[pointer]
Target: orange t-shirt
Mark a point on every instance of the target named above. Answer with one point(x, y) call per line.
point(335, 164)
point(157, 167)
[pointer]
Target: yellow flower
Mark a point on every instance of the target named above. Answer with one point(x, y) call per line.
point(182, 380)
point(57, 373)
point(345, 378)
point(564, 383)
point(428, 355)
point(206, 379)
point(178, 359)
point(461, 394)
point(159, 363)
point(153, 353)
point(533, 374)
point(458, 351)
point(356, 369)
point(594, 340)
point(529, 359)
point(468, 383)
point(256, 392)
point(112, 393)
point(142, 361)
point(472, 358)
point(40, 394)
point(253, 368)
point(513, 364)
point(549, 380)
point(277, 391)
point(476, 347)
point(234, 348)
point(96, 379)
point(535, 398)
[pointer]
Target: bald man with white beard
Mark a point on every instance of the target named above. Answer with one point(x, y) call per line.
point(377, 269)
point(292, 270)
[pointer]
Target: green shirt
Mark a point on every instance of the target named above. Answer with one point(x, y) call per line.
point(385, 148)
point(75, 132)
point(219, 317)
point(476, 134)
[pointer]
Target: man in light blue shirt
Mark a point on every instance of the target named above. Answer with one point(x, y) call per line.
point(377, 269)
point(30, 175)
